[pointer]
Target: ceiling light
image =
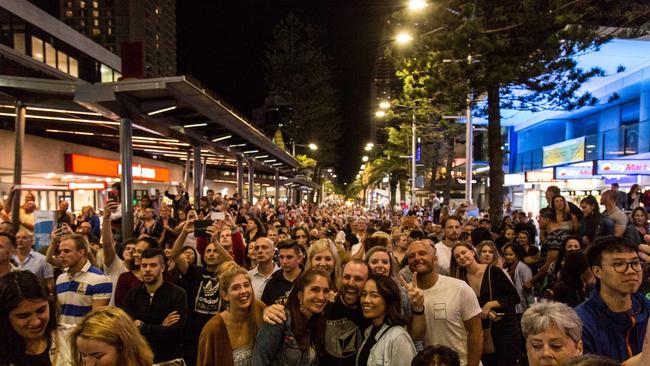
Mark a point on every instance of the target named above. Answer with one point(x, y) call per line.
point(161, 110)
point(222, 138)
point(195, 125)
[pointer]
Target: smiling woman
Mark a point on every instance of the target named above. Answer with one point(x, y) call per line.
point(228, 338)
point(386, 341)
point(298, 340)
point(29, 334)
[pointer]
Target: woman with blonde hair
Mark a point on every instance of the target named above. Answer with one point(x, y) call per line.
point(489, 254)
point(322, 254)
point(228, 338)
point(109, 336)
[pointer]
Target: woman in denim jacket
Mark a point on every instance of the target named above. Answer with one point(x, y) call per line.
point(297, 341)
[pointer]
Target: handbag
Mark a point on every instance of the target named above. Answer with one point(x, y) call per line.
point(488, 342)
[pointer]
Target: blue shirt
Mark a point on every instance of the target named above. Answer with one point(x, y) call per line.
point(36, 263)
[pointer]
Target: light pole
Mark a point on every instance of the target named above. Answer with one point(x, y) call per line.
point(413, 157)
point(469, 142)
point(311, 146)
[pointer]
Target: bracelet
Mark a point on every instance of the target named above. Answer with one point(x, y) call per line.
point(417, 312)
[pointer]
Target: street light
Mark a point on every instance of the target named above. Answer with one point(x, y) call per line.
point(403, 38)
point(310, 146)
point(384, 104)
point(364, 159)
point(415, 5)
point(380, 114)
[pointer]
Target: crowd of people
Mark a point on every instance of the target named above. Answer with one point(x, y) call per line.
point(228, 282)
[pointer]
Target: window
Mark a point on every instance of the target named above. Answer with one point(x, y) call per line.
point(630, 113)
point(96, 32)
point(95, 4)
point(106, 74)
point(96, 13)
point(74, 67)
point(19, 42)
point(82, 4)
point(50, 55)
point(69, 13)
point(62, 61)
point(96, 22)
point(37, 49)
point(109, 31)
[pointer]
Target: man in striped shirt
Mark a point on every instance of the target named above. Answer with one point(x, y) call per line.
point(81, 287)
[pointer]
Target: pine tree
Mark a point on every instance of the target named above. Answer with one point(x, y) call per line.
point(299, 71)
point(511, 54)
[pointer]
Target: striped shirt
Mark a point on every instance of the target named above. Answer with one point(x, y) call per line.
point(77, 292)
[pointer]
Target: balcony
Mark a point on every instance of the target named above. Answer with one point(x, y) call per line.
point(611, 144)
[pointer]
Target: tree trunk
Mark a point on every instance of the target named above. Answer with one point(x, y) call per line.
point(450, 166)
point(402, 189)
point(495, 190)
point(393, 191)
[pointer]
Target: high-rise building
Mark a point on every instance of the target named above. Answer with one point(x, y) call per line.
point(142, 32)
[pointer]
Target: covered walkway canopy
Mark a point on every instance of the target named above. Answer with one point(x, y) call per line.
point(171, 118)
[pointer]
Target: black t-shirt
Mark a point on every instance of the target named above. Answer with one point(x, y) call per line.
point(203, 297)
point(277, 289)
point(344, 329)
point(42, 359)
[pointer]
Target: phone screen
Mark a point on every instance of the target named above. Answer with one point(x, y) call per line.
point(214, 216)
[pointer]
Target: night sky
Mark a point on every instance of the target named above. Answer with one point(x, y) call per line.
point(222, 44)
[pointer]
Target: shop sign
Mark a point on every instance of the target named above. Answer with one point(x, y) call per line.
point(539, 176)
point(574, 172)
point(623, 167)
point(89, 165)
point(565, 152)
point(99, 186)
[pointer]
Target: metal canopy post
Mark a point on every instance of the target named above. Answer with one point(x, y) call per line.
point(188, 167)
point(277, 189)
point(240, 175)
point(126, 159)
point(196, 174)
point(204, 171)
point(21, 112)
point(251, 180)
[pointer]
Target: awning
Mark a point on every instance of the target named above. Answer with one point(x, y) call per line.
point(170, 115)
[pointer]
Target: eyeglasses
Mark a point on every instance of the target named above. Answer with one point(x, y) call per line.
point(300, 236)
point(621, 267)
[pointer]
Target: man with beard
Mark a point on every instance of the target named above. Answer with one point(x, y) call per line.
point(615, 317)
point(159, 308)
point(345, 323)
point(451, 309)
point(202, 286)
point(452, 227)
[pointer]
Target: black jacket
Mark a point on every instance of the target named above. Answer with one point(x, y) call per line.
point(165, 341)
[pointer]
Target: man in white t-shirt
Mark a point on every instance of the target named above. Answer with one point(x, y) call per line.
point(452, 228)
point(451, 308)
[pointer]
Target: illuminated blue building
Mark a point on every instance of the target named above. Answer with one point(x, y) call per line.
point(574, 149)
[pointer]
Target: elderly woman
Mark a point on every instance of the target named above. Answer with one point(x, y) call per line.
point(553, 333)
